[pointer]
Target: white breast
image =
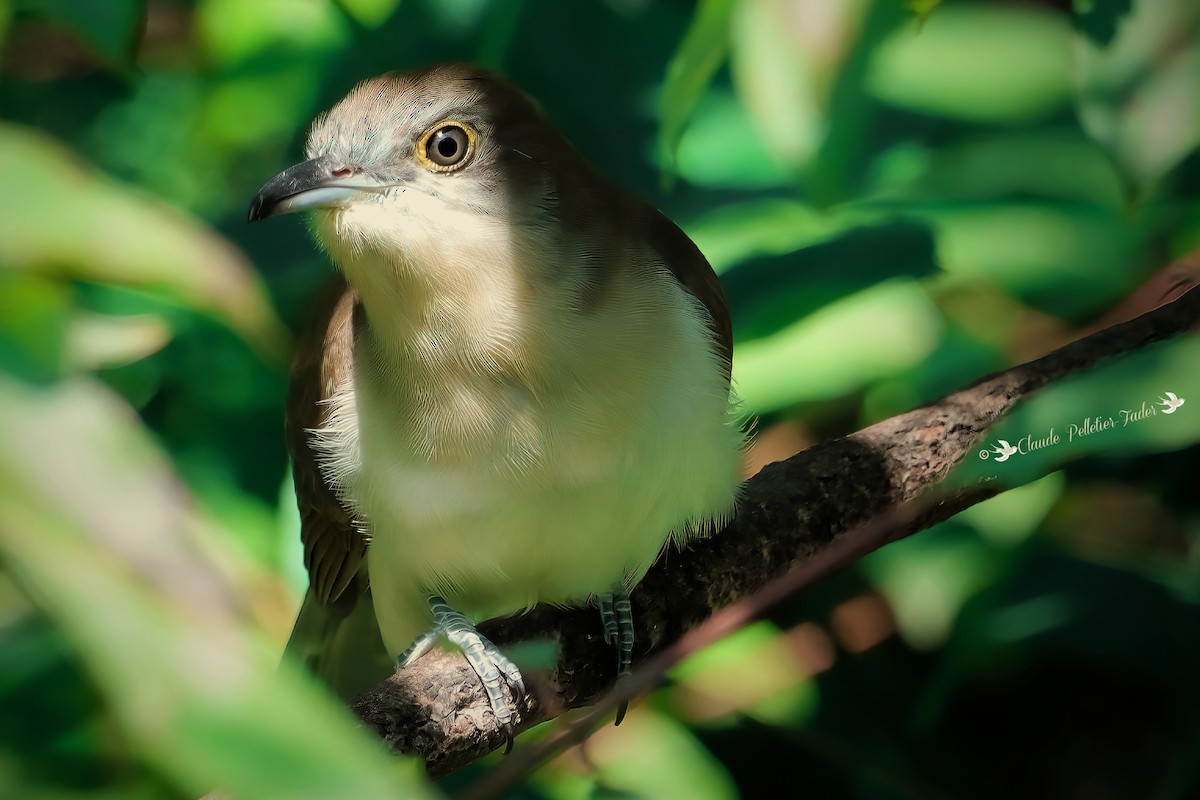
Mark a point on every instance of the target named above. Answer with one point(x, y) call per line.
point(530, 458)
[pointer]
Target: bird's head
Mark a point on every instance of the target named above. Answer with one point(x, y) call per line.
point(424, 167)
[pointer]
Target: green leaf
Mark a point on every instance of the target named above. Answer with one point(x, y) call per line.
point(1069, 260)
point(851, 123)
point(234, 31)
point(878, 332)
point(719, 124)
point(109, 27)
point(921, 9)
point(928, 578)
point(94, 525)
point(783, 68)
point(655, 757)
point(703, 50)
point(1013, 516)
point(98, 341)
point(1137, 96)
point(754, 671)
point(34, 323)
point(1058, 164)
point(980, 63)
point(1099, 20)
point(370, 13)
point(768, 294)
point(739, 232)
point(61, 219)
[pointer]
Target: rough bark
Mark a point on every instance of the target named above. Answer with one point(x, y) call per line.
point(813, 510)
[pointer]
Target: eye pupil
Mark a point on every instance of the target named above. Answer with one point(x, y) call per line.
point(448, 146)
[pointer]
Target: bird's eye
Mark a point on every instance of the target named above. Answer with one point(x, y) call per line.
point(447, 147)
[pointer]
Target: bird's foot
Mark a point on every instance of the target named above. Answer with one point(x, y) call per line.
point(616, 615)
point(484, 657)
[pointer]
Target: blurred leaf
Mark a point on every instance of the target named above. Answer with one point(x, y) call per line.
point(851, 118)
point(1117, 409)
point(370, 13)
point(699, 56)
point(1100, 19)
point(755, 671)
point(55, 738)
point(1012, 517)
point(94, 525)
point(928, 578)
point(1053, 608)
point(783, 58)
point(252, 108)
point(150, 137)
point(981, 63)
point(110, 27)
point(959, 358)
point(838, 349)
point(921, 9)
point(768, 294)
point(738, 232)
point(1137, 95)
point(1070, 260)
point(290, 555)
point(117, 236)
point(657, 757)
point(34, 319)
point(234, 31)
point(96, 341)
point(497, 32)
point(719, 124)
point(1053, 164)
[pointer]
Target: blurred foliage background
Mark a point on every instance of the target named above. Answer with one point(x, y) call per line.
point(900, 198)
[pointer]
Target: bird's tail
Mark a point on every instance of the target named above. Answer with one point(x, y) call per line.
point(340, 644)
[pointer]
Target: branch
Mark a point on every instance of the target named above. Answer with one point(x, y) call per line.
point(808, 515)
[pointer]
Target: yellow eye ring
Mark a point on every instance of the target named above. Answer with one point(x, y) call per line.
point(448, 146)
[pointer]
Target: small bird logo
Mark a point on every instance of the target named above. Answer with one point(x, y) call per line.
point(1170, 403)
point(1003, 450)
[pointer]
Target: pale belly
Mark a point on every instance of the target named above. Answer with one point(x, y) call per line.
point(494, 542)
point(499, 491)
point(585, 510)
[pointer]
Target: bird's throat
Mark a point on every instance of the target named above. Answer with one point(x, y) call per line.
point(455, 294)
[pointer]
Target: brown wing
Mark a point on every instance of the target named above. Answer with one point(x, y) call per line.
point(333, 547)
point(692, 270)
point(626, 218)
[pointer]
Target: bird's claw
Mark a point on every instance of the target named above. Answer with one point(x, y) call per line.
point(493, 668)
point(623, 706)
point(490, 665)
point(616, 615)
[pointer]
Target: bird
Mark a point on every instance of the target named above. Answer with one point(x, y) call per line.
point(1003, 450)
point(1170, 403)
point(515, 390)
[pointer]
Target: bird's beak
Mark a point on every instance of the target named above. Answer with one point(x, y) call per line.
point(312, 184)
